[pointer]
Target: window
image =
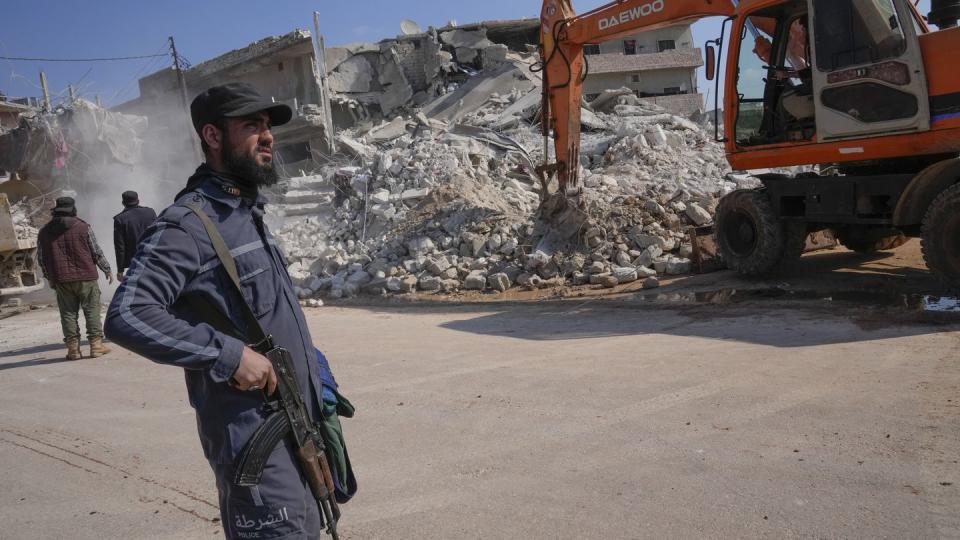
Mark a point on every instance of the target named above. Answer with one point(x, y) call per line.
point(629, 46)
point(754, 55)
point(280, 66)
point(856, 32)
point(666, 45)
point(672, 91)
point(635, 78)
point(591, 49)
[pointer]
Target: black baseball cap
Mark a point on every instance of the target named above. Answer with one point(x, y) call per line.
point(233, 100)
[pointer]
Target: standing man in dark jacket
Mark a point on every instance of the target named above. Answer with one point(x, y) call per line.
point(69, 256)
point(177, 306)
point(128, 227)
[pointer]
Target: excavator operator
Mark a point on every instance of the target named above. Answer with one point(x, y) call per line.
point(796, 99)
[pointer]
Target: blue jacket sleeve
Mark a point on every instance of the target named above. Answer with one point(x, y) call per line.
point(139, 318)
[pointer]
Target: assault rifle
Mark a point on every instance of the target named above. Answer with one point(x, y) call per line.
point(289, 418)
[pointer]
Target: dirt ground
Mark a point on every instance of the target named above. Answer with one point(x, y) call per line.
point(823, 404)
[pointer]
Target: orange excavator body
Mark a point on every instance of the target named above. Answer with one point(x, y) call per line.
point(933, 81)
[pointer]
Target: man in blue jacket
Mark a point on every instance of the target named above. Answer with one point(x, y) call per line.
point(177, 306)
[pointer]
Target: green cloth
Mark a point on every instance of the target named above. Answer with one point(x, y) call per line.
point(336, 446)
point(76, 296)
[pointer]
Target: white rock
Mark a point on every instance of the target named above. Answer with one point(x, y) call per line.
point(698, 215)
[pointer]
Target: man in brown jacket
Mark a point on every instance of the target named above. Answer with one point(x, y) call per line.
point(69, 256)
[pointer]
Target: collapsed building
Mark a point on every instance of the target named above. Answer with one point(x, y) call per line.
point(439, 193)
point(409, 165)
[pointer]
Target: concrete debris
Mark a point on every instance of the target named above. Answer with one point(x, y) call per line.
point(441, 195)
point(22, 224)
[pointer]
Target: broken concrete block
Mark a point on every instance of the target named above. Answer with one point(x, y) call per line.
point(408, 284)
point(389, 131)
point(436, 264)
point(644, 240)
point(676, 267)
point(509, 246)
point(493, 55)
point(596, 267)
point(654, 208)
point(537, 260)
point(476, 280)
point(393, 284)
point(651, 283)
point(420, 246)
point(430, 283)
point(648, 256)
point(625, 274)
point(644, 272)
point(409, 195)
point(499, 281)
point(476, 39)
point(607, 281)
point(465, 55)
point(698, 215)
point(597, 279)
point(623, 259)
point(397, 91)
point(353, 75)
point(380, 196)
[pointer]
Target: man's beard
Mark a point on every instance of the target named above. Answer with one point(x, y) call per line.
point(246, 168)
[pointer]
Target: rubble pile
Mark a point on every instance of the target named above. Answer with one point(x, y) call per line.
point(22, 225)
point(424, 205)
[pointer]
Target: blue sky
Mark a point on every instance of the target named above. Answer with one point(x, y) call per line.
point(206, 28)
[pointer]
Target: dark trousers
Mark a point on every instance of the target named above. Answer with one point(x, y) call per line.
point(73, 298)
point(280, 506)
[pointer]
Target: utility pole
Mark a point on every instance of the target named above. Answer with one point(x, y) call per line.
point(182, 83)
point(318, 52)
point(46, 91)
point(73, 93)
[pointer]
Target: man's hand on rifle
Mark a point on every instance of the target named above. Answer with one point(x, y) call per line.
point(254, 372)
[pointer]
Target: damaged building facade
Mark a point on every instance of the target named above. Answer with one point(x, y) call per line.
point(282, 67)
point(366, 83)
point(659, 66)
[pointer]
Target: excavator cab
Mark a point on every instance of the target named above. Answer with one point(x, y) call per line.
point(774, 78)
point(814, 71)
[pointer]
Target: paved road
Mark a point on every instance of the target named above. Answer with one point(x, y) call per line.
point(553, 420)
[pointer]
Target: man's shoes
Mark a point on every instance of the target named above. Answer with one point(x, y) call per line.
point(73, 349)
point(97, 348)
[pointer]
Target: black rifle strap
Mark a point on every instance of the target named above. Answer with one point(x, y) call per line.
point(230, 265)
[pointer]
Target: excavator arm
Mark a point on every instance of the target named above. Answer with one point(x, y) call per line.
point(562, 37)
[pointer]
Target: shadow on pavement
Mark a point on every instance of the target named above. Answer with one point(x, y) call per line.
point(35, 362)
point(761, 326)
point(33, 350)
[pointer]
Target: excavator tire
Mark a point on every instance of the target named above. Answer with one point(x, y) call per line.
point(870, 245)
point(941, 238)
point(751, 240)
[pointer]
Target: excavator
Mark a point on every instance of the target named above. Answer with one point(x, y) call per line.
point(863, 92)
